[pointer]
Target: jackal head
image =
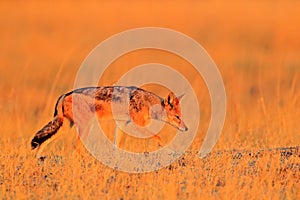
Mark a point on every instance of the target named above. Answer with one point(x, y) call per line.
point(173, 112)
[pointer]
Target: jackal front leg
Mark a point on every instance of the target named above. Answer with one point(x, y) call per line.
point(117, 140)
point(137, 131)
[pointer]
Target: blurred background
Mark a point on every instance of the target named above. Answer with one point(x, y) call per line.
point(256, 46)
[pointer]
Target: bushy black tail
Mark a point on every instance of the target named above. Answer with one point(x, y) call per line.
point(46, 132)
point(52, 127)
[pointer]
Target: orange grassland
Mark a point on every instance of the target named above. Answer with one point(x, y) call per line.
point(256, 47)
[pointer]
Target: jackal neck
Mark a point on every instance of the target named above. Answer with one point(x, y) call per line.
point(157, 112)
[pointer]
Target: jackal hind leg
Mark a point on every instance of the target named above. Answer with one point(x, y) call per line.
point(115, 138)
point(82, 134)
point(82, 131)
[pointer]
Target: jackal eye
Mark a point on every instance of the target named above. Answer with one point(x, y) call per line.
point(177, 117)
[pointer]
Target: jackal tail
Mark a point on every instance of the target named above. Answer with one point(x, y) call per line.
point(48, 131)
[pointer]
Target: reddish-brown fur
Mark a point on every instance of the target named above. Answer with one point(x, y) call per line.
point(86, 102)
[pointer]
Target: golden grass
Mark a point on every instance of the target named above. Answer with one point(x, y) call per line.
point(256, 47)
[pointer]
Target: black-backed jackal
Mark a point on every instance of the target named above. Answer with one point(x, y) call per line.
point(100, 100)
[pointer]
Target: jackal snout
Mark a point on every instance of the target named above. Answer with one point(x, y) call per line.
point(173, 112)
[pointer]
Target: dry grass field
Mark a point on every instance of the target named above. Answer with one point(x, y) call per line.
point(256, 47)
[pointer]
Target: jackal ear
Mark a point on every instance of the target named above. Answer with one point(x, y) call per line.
point(170, 99)
point(180, 97)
